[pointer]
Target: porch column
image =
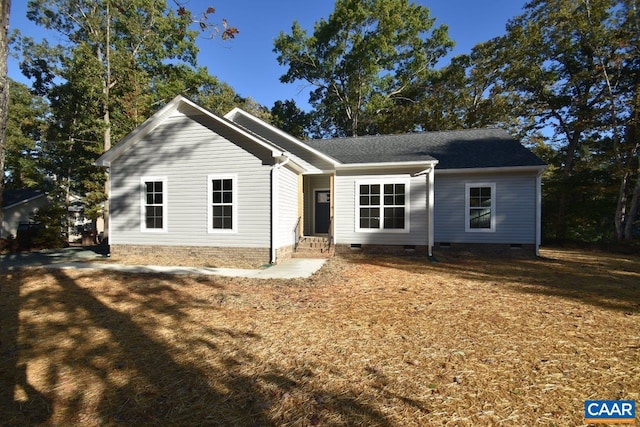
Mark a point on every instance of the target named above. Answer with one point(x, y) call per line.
point(300, 206)
point(331, 205)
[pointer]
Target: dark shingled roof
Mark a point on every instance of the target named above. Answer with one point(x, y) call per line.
point(12, 197)
point(460, 149)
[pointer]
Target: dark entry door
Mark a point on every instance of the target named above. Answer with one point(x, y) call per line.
point(322, 211)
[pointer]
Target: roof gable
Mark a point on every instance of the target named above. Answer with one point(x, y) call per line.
point(463, 149)
point(272, 133)
point(177, 104)
point(12, 198)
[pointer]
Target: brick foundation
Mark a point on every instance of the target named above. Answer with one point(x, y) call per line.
point(284, 254)
point(458, 249)
point(195, 256)
point(485, 249)
point(383, 249)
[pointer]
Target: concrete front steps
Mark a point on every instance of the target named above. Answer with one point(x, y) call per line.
point(313, 247)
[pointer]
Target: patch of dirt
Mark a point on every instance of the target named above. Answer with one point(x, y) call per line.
point(365, 341)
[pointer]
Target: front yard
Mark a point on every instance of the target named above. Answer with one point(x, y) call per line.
point(366, 341)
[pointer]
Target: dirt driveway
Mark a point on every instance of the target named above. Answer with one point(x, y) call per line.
point(52, 256)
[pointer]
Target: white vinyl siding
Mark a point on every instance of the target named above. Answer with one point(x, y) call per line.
point(153, 202)
point(287, 206)
point(186, 151)
point(514, 213)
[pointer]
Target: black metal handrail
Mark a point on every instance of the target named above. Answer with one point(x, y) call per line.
point(330, 235)
point(296, 235)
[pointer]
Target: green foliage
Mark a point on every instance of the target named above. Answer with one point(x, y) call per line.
point(119, 61)
point(291, 119)
point(25, 127)
point(360, 60)
point(571, 68)
point(54, 229)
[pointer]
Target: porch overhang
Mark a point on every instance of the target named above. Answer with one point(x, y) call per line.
point(422, 165)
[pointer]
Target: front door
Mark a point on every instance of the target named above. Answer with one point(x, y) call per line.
point(322, 211)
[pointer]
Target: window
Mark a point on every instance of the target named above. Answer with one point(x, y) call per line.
point(382, 206)
point(222, 203)
point(154, 204)
point(480, 210)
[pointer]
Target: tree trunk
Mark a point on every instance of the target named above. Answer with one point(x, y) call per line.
point(621, 207)
point(5, 6)
point(633, 210)
point(107, 121)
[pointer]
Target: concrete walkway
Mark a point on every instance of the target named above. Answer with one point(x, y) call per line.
point(80, 258)
point(290, 269)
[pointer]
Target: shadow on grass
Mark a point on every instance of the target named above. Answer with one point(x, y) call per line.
point(136, 354)
point(610, 281)
point(20, 402)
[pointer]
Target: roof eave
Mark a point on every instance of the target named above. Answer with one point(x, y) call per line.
point(497, 169)
point(387, 165)
point(22, 202)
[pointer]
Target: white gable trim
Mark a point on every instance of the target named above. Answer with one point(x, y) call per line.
point(238, 111)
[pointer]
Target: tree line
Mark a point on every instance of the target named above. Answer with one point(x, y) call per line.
point(564, 78)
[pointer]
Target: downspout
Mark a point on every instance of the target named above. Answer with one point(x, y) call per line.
point(430, 173)
point(539, 211)
point(281, 160)
point(430, 207)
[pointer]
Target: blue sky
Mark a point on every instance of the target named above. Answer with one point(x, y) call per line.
point(249, 64)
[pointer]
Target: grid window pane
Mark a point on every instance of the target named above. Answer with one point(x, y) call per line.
point(388, 199)
point(154, 198)
point(369, 194)
point(480, 203)
point(369, 217)
point(394, 218)
point(480, 218)
point(394, 194)
point(222, 204)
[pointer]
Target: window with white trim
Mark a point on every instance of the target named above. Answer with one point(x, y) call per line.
point(480, 207)
point(154, 204)
point(222, 203)
point(382, 206)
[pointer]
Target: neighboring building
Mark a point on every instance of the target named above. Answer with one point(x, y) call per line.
point(19, 207)
point(188, 182)
point(82, 229)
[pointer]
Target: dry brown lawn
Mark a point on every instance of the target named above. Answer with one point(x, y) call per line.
point(366, 341)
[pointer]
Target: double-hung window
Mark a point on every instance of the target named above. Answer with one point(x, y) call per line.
point(222, 203)
point(480, 207)
point(382, 206)
point(154, 204)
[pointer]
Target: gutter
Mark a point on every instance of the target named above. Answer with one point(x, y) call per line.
point(281, 161)
point(505, 169)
